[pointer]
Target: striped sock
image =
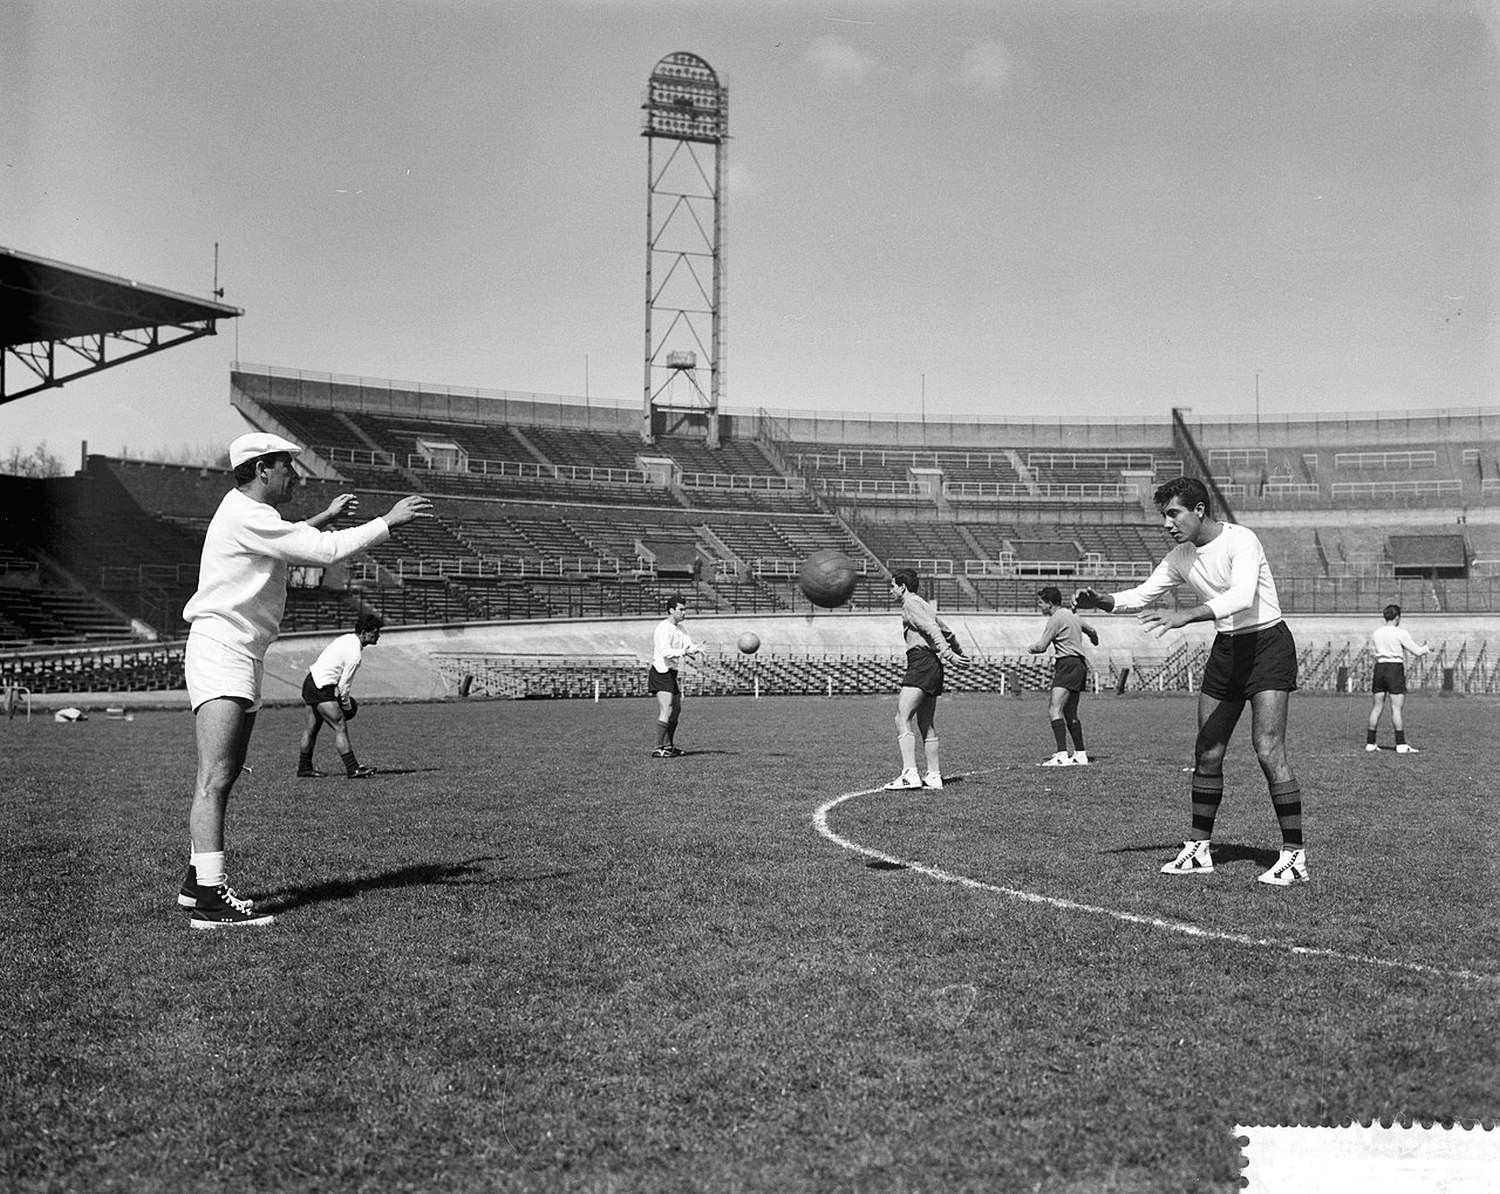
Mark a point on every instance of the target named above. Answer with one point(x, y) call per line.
point(1208, 790)
point(1286, 799)
point(351, 764)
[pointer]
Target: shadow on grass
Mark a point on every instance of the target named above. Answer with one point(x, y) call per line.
point(1222, 851)
point(470, 873)
point(379, 771)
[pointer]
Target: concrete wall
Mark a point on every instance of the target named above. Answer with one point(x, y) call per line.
point(402, 666)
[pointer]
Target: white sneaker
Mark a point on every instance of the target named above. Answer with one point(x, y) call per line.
point(1404, 749)
point(907, 779)
point(932, 780)
point(1060, 759)
point(1193, 859)
point(1080, 758)
point(1371, 746)
point(1290, 868)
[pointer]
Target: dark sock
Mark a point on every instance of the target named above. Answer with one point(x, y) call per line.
point(351, 764)
point(1075, 728)
point(1286, 799)
point(304, 762)
point(1400, 737)
point(1208, 790)
point(1369, 737)
point(1060, 732)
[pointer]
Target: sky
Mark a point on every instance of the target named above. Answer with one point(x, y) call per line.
point(1039, 208)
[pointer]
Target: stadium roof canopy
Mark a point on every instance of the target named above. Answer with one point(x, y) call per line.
point(59, 322)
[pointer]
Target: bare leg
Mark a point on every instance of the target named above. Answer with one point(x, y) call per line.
point(223, 727)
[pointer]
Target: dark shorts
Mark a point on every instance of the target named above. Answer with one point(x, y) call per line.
point(924, 670)
point(313, 695)
point(661, 681)
point(1389, 677)
point(1070, 672)
point(1240, 665)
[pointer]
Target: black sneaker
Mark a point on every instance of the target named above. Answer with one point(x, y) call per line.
point(219, 908)
point(311, 773)
point(362, 772)
point(187, 895)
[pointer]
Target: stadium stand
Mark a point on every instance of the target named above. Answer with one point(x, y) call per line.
point(545, 509)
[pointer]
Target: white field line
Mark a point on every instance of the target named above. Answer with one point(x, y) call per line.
point(820, 820)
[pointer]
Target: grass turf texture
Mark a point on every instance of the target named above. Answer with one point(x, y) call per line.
point(530, 957)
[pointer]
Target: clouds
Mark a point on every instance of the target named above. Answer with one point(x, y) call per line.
point(984, 66)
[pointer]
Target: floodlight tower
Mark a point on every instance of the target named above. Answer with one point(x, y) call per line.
point(687, 111)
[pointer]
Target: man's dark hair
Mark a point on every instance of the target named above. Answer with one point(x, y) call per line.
point(1052, 595)
point(908, 578)
point(244, 473)
point(674, 601)
point(367, 622)
point(1190, 490)
point(1392, 612)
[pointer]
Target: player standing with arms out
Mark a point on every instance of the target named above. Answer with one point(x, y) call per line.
point(929, 644)
point(235, 616)
point(1392, 644)
point(1064, 633)
point(326, 693)
point(1253, 660)
point(670, 645)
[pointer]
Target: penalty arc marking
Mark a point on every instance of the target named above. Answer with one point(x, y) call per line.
point(1161, 924)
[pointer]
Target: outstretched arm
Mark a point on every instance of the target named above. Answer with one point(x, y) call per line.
point(345, 503)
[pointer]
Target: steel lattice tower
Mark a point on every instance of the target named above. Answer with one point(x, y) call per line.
point(687, 112)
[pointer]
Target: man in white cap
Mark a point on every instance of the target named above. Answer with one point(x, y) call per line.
point(235, 616)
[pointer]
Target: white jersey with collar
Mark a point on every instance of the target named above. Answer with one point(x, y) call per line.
point(337, 664)
point(669, 644)
point(1390, 640)
point(242, 574)
point(1229, 573)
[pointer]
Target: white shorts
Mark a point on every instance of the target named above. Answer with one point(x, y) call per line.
point(214, 670)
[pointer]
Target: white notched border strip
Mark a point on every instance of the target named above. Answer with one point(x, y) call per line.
point(820, 820)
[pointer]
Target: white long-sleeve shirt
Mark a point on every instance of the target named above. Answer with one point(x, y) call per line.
point(1391, 640)
point(242, 575)
point(337, 664)
point(1229, 574)
point(669, 644)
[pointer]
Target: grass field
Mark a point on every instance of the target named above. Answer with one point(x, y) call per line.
point(529, 957)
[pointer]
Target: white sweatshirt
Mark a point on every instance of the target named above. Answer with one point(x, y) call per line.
point(242, 575)
point(1229, 574)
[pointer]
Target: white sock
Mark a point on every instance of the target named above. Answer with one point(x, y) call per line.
point(210, 868)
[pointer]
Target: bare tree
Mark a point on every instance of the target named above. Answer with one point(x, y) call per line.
point(39, 463)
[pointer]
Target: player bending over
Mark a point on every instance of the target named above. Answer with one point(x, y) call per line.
point(1253, 660)
point(1064, 633)
point(326, 693)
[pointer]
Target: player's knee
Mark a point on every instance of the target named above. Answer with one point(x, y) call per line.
point(218, 776)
